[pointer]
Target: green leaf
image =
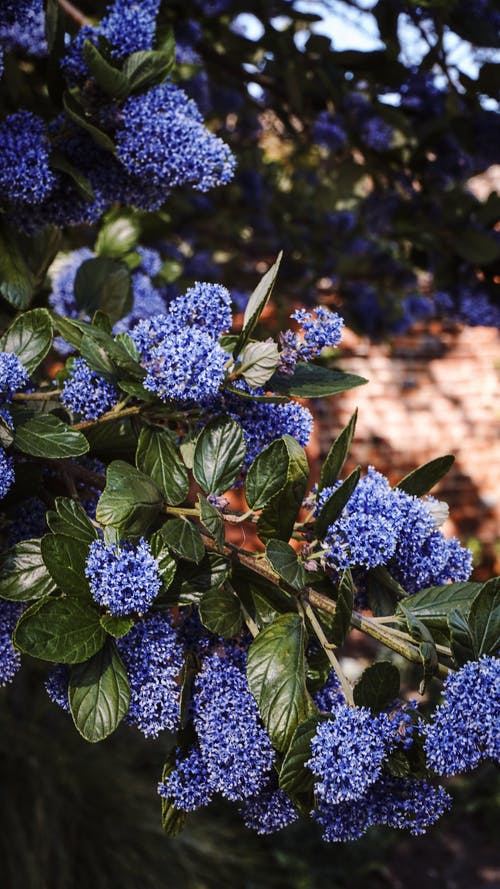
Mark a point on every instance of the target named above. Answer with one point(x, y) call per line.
point(433, 604)
point(421, 480)
point(46, 436)
point(484, 619)
point(218, 455)
point(426, 646)
point(192, 581)
point(158, 458)
point(65, 559)
point(377, 687)
point(314, 381)
point(97, 357)
point(23, 574)
point(212, 520)
point(110, 79)
point(71, 519)
point(256, 305)
point(78, 114)
point(146, 69)
point(332, 507)
point(59, 161)
point(461, 641)
point(220, 612)
point(277, 679)
point(61, 630)
point(16, 278)
point(30, 337)
point(339, 626)
point(184, 539)
point(105, 284)
point(258, 363)
point(172, 819)
point(99, 693)
point(165, 561)
point(337, 455)
point(295, 778)
point(6, 433)
point(267, 475)
point(280, 513)
point(116, 625)
point(117, 236)
point(130, 501)
point(285, 562)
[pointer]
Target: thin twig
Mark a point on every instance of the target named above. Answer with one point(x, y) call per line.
point(74, 13)
point(110, 415)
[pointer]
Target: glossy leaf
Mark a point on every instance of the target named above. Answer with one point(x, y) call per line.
point(220, 612)
point(332, 508)
point(315, 381)
point(337, 455)
point(339, 626)
point(45, 435)
point(212, 520)
point(378, 686)
point(423, 479)
point(295, 778)
point(71, 519)
point(461, 641)
point(105, 284)
point(184, 539)
point(23, 573)
point(285, 562)
point(16, 278)
point(99, 693)
point(258, 363)
point(130, 501)
point(256, 305)
point(484, 619)
point(65, 558)
point(158, 458)
point(30, 337)
point(280, 513)
point(116, 625)
point(218, 455)
point(64, 630)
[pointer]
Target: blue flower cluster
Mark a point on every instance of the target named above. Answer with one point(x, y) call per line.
point(161, 140)
point(10, 659)
point(153, 657)
point(123, 577)
point(329, 131)
point(22, 28)
point(13, 375)
point(56, 686)
point(233, 755)
point(403, 803)
point(319, 328)
point(269, 812)
point(385, 526)
point(87, 393)
point(464, 730)
point(61, 299)
point(25, 174)
point(7, 476)
point(179, 350)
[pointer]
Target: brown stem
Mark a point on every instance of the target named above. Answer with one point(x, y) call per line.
point(74, 13)
point(111, 415)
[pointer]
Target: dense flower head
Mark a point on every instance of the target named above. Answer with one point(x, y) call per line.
point(130, 26)
point(148, 301)
point(22, 27)
point(162, 140)
point(319, 328)
point(25, 174)
point(464, 730)
point(329, 131)
point(329, 698)
point(263, 422)
point(348, 752)
point(376, 134)
point(234, 744)
point(153, 659)
point(56, 686)
point(10, 659)
point(7, 475)
point(13, 375)
point(87, 393)
point(189, 365)
point(271, 810)
point(207, 306)
point(123, 577)
point(188, 785)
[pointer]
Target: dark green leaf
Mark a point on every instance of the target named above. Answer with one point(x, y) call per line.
point(157, 457)
point(337, 455)
point(295, 778)
point(332, 507)
point(218, 455)
point(97, 356)
point(78, 114)
point(116, 625)
point(280, 514)
point(99, 693)
point(341, 622)
point(30, 337)
point(165, 561)
point(433, 604)
point(146, 69)
point(110, 79)
point(192, 581)
point(105, 284)
point(258, 363)
point(285, 562)
point(220, 612)
point(484, 619)
point(61, 630)
point(256, 305)
point(71, 519)
point(277, 679)
point(16, 278)
point(378, 686)
point(421, 480)
point(172, 819)
point(59, 161)
point(461, 641)
point(426, 646)
point(23, 574)
point(184, 539)
point(130, 501)
point(476, 246)
point(117, 236)
point(315, 381)
point(46, 436)
point(65, 559)
point(212, 520)
point(267, 475)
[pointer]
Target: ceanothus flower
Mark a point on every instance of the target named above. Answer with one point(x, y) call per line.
point(10, 659)
point(207, 306)
point(348, 752)
point(22, 27)
point(271, 810)
point(464, 730)
point(129, 26)
point(56, 686)
point(153, 659)
point(263, 422)
point(329, 131)
point(25, 174)
point(123, 577)
point(377, 134)
point(7, 476)
point(163, 141)
point(13, 375)
point(319, 328)
point(87, 393)
point(188, 785)
point(189, 365)
point(235, 746)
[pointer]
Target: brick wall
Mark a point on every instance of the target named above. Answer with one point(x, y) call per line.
point(430, 393)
